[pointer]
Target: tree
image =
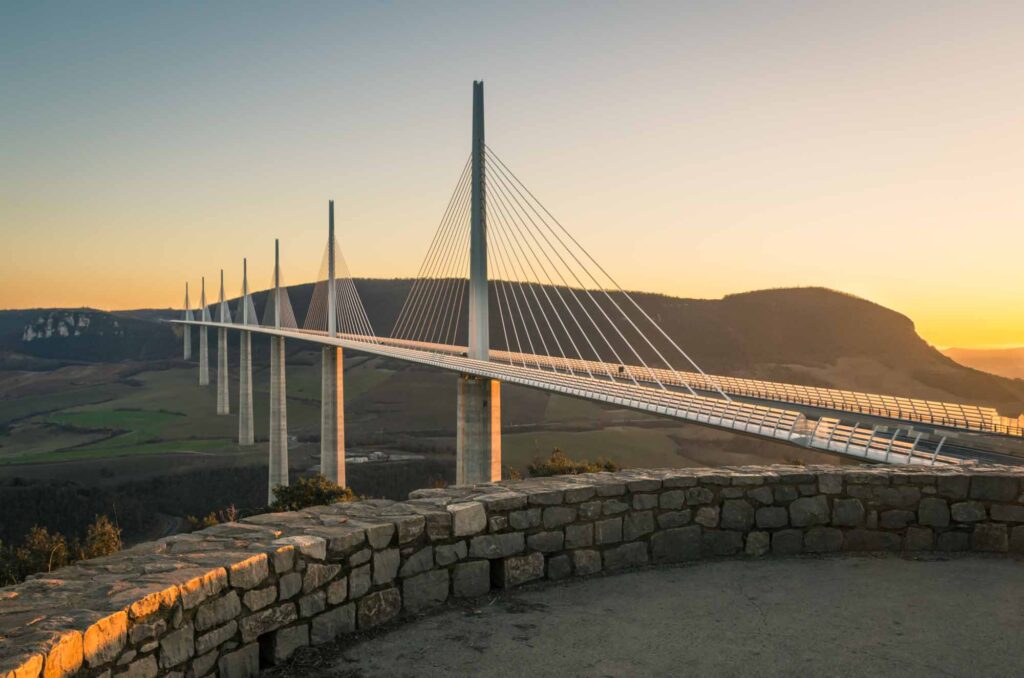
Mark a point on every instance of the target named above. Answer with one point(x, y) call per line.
point(309, 491)
point(558, 464)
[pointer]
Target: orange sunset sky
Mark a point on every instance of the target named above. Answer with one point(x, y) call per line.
point(697, 149)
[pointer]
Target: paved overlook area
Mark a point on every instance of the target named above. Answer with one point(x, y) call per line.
point(811, 615)
point(238, 598)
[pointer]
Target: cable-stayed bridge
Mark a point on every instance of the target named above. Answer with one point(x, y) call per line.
point(507, 294)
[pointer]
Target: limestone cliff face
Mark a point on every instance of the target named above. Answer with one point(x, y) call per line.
point(64, 324)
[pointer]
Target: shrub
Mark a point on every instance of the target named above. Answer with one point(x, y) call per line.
point(558, 464)
point(101, 539)
point(309, 491)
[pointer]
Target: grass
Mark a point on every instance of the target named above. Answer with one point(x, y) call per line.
point(625, 445)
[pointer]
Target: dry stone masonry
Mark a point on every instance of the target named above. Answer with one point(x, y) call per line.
point(233, 598)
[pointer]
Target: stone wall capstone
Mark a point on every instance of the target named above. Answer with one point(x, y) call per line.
point(233, 598)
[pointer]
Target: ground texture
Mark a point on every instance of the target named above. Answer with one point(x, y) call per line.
point(851, 616)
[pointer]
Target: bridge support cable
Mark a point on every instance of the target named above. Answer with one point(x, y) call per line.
point(438, 271)
point(441, 235)
point(578, 253)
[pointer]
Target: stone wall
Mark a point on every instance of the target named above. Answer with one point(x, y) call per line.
point(230, 599)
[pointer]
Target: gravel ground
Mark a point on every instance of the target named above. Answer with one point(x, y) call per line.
point(852, 616)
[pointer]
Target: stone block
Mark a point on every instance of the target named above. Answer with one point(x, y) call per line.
point(992, 537)
point(707, 516)
point(787, 542)
point(497, 545)
point(559, 567)
point(425, 590)
point(721, 542)
point(285, 642)
point(614, 507)
point(995, 488)
point(579, 536)
point(250, 572)
point(104, 639)
point(242, 663)
point(758, 543)
point(699, 495)
point(675, 545)
point(199, 589)
point(954, 541)
point(317, 575)
point(847, 512)
point(762, 495)
point(497, 524)
point(145, 667)
point(379, 608)
point(328, 626)
point(360, 557)
point(177, 647)
point(670, 519)
point(784, 493)
point(556, 516)
point(823, 540)
point(524, 520)
point(468, 518)
point(1017, 539)
point(313, 604)
point(643, 485)
point(643, 502)
point(771, 517)
point(218, 611)
point(953, 486)
point(1007, 513)
point(672, 500)
point(385, 565)
point(516, 570)
point(359, 581)
point(419, 561)
point(545, 497)
point(918, 539)
point(140, 632)
point(968, 511)
point(380, 535)
point(471, 579)
point(210, 641)
point(621, 557)
point(446, 554)
point(871, 540)
point(203, 665)
point(737, 514)
point(830, 483)
point(265, 621)
point(546, 542)
point(409, 527)
point(574, 495)
point(307, 545)
point(337, 591)
point(807, 511)
point(589, 510)
point(586, 561)
point(933, 511)
point(637, 524)
point(896, 519)
point(731, 492)
point(289, 585)
point(608, 531)
point(257, 599)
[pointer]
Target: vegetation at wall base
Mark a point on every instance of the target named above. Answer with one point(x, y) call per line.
point(309, 491)
point(45, 551)
point(559, 464)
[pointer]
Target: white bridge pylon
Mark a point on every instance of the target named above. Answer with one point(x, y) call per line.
point(563, 325)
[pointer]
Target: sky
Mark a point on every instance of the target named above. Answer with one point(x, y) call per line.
point(695, 148)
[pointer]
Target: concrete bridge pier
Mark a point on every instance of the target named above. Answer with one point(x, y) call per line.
point(204, 357)
point(223, 399)
point(278, 419)
point(245, 428)
point(332, 416)
point(478, 430)
point(187, 332)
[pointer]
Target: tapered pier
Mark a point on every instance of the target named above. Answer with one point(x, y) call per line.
point(478, 410)
point(223, 398)
point(246, 435)
point(186, 330)
point(332, 384)
point(278, 400)
point(204, 348)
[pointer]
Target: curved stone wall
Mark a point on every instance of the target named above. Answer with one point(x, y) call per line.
point(230, 599)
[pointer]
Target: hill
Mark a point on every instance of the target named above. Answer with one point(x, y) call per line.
point(1006, 362)
point(812, 336)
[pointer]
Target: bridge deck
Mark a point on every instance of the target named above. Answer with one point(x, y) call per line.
point(782, 425)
